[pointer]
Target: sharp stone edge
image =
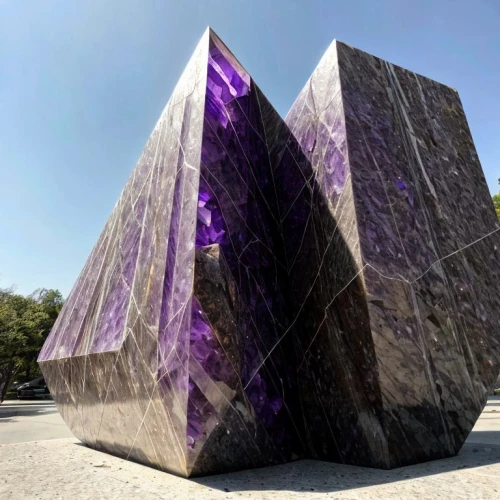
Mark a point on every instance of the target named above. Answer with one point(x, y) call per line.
point(322, 286)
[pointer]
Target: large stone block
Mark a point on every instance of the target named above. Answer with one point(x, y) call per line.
point(403, 377)
point(168, 348)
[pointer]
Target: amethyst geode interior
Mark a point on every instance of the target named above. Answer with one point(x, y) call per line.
point(263, 293)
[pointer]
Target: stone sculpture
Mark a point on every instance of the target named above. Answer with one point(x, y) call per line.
point(395, 159)
point(323, 286)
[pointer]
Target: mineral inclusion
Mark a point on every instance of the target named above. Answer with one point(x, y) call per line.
point(266, 290)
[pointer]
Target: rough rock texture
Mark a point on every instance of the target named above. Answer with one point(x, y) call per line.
point(406, 373)
point(258, 296)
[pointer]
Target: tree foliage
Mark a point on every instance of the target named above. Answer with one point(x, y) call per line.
point(496, 202)
point(25, 323)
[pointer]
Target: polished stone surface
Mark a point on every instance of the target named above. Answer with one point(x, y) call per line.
point(168, 348)
point(402, 358)
point(263, 293)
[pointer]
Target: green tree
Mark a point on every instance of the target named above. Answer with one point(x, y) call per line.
point(496, 202)
point(41, 316)
point(25, 323)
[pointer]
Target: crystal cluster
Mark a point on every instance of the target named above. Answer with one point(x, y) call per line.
point(323, 286)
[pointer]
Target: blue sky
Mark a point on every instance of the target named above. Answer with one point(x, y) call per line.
point(83, 83)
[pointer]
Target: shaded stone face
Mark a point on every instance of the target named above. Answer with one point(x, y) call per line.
point(265, 291)
point(395, 160)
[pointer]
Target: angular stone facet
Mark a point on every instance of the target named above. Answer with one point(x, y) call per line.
point(162, 352)
point(262, 293)
point(407, 370)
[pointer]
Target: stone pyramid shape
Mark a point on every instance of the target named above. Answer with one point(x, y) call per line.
point(265, 291)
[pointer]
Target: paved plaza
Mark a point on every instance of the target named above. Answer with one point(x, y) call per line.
point(39, 461)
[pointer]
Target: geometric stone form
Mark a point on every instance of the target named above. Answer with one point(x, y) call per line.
point(263, 293)
point(405, 378)
point(159, 352)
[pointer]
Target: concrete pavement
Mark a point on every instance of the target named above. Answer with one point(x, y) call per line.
point(64, 468)
point(487, 428)
point(30, 420)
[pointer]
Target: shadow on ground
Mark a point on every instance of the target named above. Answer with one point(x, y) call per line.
point(9, 409)
point(484, 438)
point(311, 475)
